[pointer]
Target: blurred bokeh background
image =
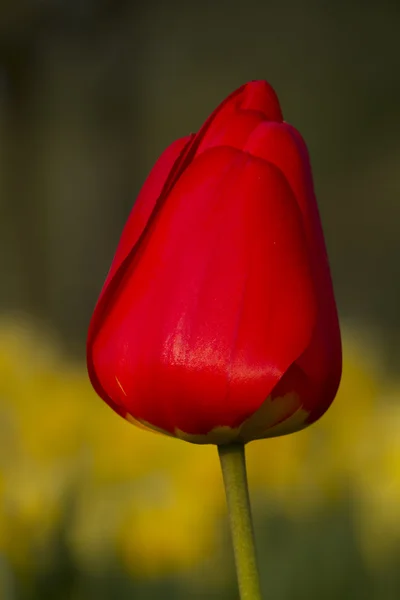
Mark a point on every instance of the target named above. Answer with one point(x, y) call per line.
point(91, 91)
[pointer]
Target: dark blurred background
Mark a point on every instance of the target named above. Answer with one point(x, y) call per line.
point(91, 92)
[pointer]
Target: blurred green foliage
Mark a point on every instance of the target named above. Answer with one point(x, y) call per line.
point(91, 91)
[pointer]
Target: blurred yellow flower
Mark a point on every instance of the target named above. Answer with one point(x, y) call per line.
point(156, 502)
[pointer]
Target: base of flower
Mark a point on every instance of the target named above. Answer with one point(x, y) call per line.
point(233, 464)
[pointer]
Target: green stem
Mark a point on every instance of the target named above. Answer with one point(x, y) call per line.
point(233, 464)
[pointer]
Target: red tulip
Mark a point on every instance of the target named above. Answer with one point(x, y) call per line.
point(217, 321)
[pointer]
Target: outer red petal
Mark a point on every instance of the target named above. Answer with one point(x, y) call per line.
point(283, 146)
point(218, 307)
point(145, 203)
point(160, 178)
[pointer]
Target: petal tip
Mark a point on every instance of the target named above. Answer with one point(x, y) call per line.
point(259, 95)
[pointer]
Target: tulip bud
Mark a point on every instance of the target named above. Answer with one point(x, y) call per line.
point(217, 321)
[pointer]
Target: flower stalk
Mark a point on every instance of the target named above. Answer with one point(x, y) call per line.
point(233, 464)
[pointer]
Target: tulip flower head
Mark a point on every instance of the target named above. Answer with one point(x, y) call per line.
point(217, 320)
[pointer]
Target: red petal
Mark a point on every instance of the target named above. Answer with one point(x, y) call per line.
point(283, 146)
point(235, 118)
point(260, 96)
point(158, 179)
point(219, 305)
point(145, 202)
